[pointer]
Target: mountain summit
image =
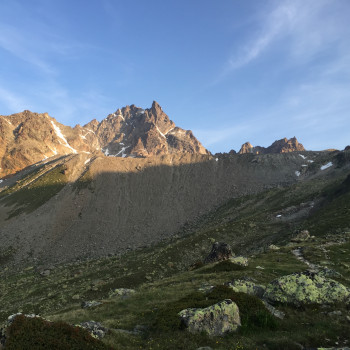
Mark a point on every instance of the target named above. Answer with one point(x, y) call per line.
point(27, 138)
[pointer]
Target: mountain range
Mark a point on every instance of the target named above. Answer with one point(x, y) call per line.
point(27, 138)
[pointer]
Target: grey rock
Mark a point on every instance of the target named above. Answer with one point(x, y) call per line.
point(88, 304)
point(95, 328)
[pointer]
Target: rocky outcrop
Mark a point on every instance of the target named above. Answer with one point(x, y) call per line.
point(216, 320)
point(279, 146)
point(306, 288)
point(219, 251)
point(27, 138)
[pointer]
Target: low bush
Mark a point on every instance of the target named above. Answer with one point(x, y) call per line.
point(38, 334)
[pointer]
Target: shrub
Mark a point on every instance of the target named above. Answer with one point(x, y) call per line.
point(38, 334)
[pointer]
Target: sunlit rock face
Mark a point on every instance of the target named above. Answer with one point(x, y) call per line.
point(27, 138)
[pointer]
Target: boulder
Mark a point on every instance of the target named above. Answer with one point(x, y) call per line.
point(95, 328)
point(121, 292)
point(215, 320)
point(306, 288)
point(301, 237)
point(247, 287)
point(219, 251)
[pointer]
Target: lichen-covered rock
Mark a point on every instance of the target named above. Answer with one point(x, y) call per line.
point(239, 260)
point(273, 247)
point(247, 287)
point(95, 328)
point(219, 251)
point(306, 288)
point(301, 236)
point(121, 292)
point(215, 320)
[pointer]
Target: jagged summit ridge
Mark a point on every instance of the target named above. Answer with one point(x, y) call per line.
point(27, 138)
point(280, 146)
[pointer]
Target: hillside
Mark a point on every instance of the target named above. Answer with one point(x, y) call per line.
point(167, 277)
point(78, 206)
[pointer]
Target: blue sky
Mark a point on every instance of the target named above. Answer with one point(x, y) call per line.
point(231, 70)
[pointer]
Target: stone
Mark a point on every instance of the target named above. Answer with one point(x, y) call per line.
point(306, 288)
point(301, 237)
point(215, 320)
point(45, 273)
point(247, 287)
point(88, 304)
point(95, 328)
point(273, 311)
point(239, 260)
point(219, 251)
point(121, 292)
point(273, 247)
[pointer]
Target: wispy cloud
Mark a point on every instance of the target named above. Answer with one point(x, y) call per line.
point(19, 44)
point(302, 28)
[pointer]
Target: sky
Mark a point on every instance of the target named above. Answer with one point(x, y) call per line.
point(231, 70)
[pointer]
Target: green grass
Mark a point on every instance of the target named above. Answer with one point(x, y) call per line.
point(28, 198)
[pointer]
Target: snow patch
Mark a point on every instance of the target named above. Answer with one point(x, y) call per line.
point(310, 161)
point(161, 134)
point(1, 181)
point(304, 164)
point(122, 152)
point(54, 151)
point(8, 121)
point(61, 136)
point(106, 152)
point(302, 156)
point(278, 216)
point(169, 131)
point(85, 152)
point(297, 173)
point(216, 159)
point(326, 166)
point(87, 161)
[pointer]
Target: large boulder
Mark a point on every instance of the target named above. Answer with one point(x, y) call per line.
point(219, 251)
point(306, 288)
point(215, 320)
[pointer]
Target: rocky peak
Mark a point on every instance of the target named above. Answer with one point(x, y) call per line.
point(27, 138)
point(246, 148)
point(280, 146)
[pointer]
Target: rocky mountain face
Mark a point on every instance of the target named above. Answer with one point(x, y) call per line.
point(279, 146)
point(27, 138)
